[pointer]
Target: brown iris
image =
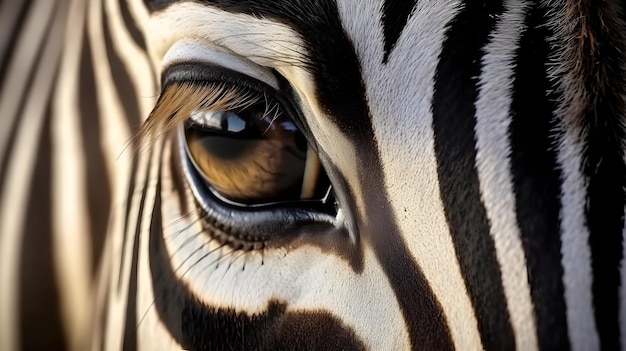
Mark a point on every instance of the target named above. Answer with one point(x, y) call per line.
point(249, 155)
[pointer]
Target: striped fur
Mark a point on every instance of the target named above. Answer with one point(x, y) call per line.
point(475, 148)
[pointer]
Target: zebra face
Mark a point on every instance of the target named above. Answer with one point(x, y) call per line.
point(375, 175)
point(312, 174)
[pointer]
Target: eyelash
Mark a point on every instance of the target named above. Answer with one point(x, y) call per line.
point(179, 99)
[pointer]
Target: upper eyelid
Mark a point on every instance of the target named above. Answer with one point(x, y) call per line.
point(191, 50)
point(190, 86)
point(201, 73)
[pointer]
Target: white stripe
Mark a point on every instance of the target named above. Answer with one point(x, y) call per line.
point(115, 133)
point(575, 250)
point(16, 190)
point(493, 165)
point(399, 95)
point(576, 260)
point(70, 216)
point(103, 282)
point(116, 136)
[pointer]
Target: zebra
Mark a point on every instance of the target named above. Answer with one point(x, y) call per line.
point(312, 174)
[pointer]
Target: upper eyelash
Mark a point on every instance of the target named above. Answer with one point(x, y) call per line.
point(180, 98)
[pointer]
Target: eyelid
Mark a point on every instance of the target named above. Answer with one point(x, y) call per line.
point(199, 73)
point(191, 50)
point(191, 86)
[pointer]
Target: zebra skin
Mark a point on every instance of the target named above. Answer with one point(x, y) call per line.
point(312, 174)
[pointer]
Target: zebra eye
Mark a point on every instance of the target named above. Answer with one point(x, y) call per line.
point(253, 153)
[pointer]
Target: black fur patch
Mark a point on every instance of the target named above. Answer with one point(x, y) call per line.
point(39, 305)
point(537, 180)
point(601, 65)
point(395, 15)
point(453, 108)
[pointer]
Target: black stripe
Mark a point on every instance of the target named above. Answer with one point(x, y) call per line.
point(131, 26)
point(28, 87)
point(124, 87)
point(536, 180)
point(196, 326)
point(98, 187)
point(422, 313)
point(130, 328)
point(10, 144)
point(14, 36)
point(395, 15)
point(101, 316)
point(158, 5)
point(603, 118)
point(39, 306)
point(453, 123)
point(127, 211)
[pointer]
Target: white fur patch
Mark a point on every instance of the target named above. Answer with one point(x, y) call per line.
point(399, 96)
point(493, 165)
point(577, 275)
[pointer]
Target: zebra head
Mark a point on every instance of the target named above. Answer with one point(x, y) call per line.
point(322, 174)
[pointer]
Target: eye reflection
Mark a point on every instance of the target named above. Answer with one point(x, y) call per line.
point(226, 121)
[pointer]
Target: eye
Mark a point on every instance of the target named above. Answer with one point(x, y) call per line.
point(244, 143)
point(254, 154)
